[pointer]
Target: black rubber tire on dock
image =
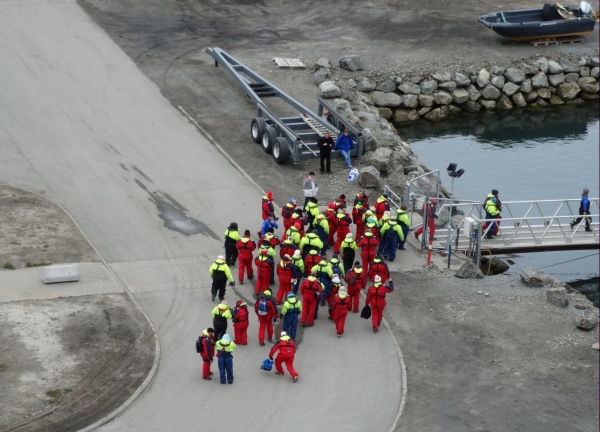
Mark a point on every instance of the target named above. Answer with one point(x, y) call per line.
point(281, 151)
point(257, 128)
point(269, 137)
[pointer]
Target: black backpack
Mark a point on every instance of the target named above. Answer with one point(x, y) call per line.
point(199, 345)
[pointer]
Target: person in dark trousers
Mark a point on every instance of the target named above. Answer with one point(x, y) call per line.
point(584, 209)
point(231, 238)
point(221, 313)
point(220, 273)
point(310, 187)
point(225, 348)
point(325, 145)
point(206, 348)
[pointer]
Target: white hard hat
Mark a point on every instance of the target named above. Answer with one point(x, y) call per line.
point(377, 278)
point(221, 257)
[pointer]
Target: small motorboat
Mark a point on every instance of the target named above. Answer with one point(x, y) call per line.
point(552, 21)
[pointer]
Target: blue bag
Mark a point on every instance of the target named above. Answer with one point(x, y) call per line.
point(267, 365)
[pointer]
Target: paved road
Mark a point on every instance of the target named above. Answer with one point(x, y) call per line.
point(82, 125)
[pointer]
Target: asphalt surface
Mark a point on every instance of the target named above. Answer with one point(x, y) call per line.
point(81, 124)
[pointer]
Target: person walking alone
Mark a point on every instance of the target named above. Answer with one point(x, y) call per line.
point(220, 273)
point(225, 348)
point(287, 352)
point(584, 209)
point(344, 145)
point(325, 145)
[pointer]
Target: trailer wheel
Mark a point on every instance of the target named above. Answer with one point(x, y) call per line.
point(269, 137)
point(281, 151)
point(257, 128)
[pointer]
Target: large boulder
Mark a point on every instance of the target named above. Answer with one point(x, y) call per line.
point(321, 75)
point(483, 78)
point(584, 71)
point(441, 76)
point(350, 62)
point(410, 88)
point(591, 88)
point(510, 88)
point(590, 96)
point(369, 177)
point(531, 277)
point(539, 80)
point(428, 87)
point(556, 79)
point(498, 81)
point(557, 296)
point(369, 139)
point(594, 62)
point(568, 91)
point(365, 85)
point(519, 100)
point(490, 92)
point(488, 105)
point(436, 115)
point(585, 80)
point(416, 79)
point(410, 100)
point(514, 75)
point(329, 90)
point(447, 85)
point(386, 113)
point(473, 93)
point(442, 98)
point(554, 67)
point(530, 69)
point(497, 70)
point(543, 64)
point(531, 96)
point(493, 266)
point(556, 100)
point(462, 80)
point(568, 66)
point(571, 77)
point(387, 86)
point(382, 99)
point(471, 107)
point(425, 100)
point(586, 319)
point(405, 115)
point(469, 270)
point(459, 95)
point(381, 159)
point(544, 93)
point(322, 63)
point(595, 72)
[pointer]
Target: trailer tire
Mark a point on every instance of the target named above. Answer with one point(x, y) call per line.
point(281, 150)
point(257, 128)
point(269, 137)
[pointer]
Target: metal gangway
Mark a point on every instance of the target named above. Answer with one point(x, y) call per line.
point(292, 137)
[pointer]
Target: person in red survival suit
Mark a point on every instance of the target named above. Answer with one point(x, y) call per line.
point(267, 205)
point(266, 310)
point(340, 306)
point(287, 247)
point(245, 247)
point(431, 217)
point(343, 221)
point(206, 347)
point(368, 245)
point(357, 217)
point(382, 205)
point(379, 268)
point(287, 351)
point(312, 259)
point(376, 299)
point(332, 221)
point(311, 290)
point(284, 273)
point(264, 268)
point(357, 281)
point(286, 213)
point(241, 321)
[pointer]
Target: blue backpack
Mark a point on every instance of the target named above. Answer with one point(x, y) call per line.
point(263, 307)
point(267, 365)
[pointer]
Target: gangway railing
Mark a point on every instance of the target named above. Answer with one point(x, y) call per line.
point(285, 137)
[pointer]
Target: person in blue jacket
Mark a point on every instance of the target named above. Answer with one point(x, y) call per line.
point(271, 222)
point(344, 144)
point(584, 209)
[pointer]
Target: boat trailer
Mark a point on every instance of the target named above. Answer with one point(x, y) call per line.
point(286, 137)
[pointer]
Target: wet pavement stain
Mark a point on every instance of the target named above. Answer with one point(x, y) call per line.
point(174, 216)
point(124, 167)
point(140, 172)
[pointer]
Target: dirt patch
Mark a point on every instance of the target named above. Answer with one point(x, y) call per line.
point(35, 231)
point(69, 362)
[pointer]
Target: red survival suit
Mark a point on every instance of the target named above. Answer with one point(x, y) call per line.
point(368, 245)
point(376, 299)
point(311, 290)
point(287, 352)
point(241, 321)
point(360, 282)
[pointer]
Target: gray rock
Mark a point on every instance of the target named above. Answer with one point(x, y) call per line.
point(504, 103)
point(461, 80)
point(541, 103)
point(584, 71)
point(370, 141)
point(416, 79)
point(428, 87)
point(586, 319)
point(514, 75)
point(405, 115)
point(366, 85)
point(539, 80)
point(369, 177)
point(425, 100)
point(490, 92)
point(409, 169)
point(544, 93)
point(381, 159)
point(543, 64)
point(322, 63)
point(386, 113)
point(498, 81)
point(531, 277)
point(590, 96)
point(595, 72)
point(451, 109)
point(530, 69)
point(584, 61)
point(594, 62)
point(531, 96)
point(410, 88)
point(556, 100)
point(329, 90)
point(410, 100)
point(321, 76)
point(519, 100)
point(590, 88)
point(554, 67)
point(510, 88)
point(526, 86)
point(447, 85)
point(387, 86)
point(571, 77)
point(441, 76)
point(459, 95)
point(497, 70)
point(483, 78)
point(342, 106)
point(350, 62)
point(557, 297)
point(473, 93)
point(568, 91)
point(493, 266)
point(469, 270)
point(577, 101)
point(436, 115)
point(556, 79)
point(568, 66)
point(471, 107)
point(442, 98)
point(398, 80)
point(488, 105)
point(585, 80)
point(424, 111)
point(382, 99)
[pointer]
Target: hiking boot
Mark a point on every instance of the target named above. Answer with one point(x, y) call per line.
point(339, 335)
point(207, 378)
point(277, 373)
point(213, 298)
point(296, 378)
point(375, 330)
point(250, 277)
point(572, 224)
point(210, 374)
point(241, 282)
point(302, 325)
point(416, 236)
point(261, 343)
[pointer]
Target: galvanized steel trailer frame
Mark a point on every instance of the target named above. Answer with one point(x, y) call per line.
point(285, 137)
